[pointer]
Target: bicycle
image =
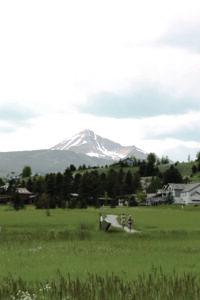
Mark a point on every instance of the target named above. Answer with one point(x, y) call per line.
point(123, 223)
point(123, 220)
point(130, 226)
point(130, 222)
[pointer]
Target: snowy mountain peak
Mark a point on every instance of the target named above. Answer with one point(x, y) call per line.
point(87, 142)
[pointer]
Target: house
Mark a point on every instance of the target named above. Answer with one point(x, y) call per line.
point(25, 195)
point(14, 176)
point(155, 199)
point(122, 202)
point(128, 162)
point(184, 193)
point(126, 200)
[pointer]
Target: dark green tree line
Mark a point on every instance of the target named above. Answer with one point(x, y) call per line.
point(82, 190)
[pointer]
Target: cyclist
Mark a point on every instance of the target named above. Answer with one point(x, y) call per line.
point(130, 222)
point(123, 220)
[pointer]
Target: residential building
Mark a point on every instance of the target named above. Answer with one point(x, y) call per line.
point(184, 193)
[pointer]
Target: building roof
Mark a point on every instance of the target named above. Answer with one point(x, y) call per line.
point(184, 187)
point(178, 186)
point(191, 186)
point(23, 191)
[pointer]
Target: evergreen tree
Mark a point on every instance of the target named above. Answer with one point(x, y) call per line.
point(71, 204)
point(12, 187)
point(52, 202)
point(85, 188)
point(58, 190)
point(43, 202)
point(149, 169)
point(156, 183)
point(94, 187)
point(76, 183)
point(198, 156)
point(39, 186)
point(67, 184)
point(63, 204)
point(142, 168)
point(164, 160)
point(132, 202)
point(151, 157)
point(128, 187)
point(106, 198)
point(82, 204)
point(136, 182)
point(113, 203)
point(23, 184)
point(111, 183)
point(172, 175)
point(186, 180)
point(72, 168)
point(18, 203)
point(50, 185)
point(194, 169)
point(102, 183)
point(29, 185)
point(1, 182)
point(119, 181)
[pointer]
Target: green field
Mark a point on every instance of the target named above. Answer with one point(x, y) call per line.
point(38, 248)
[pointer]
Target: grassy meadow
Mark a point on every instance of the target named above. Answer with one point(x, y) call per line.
point(36, 248)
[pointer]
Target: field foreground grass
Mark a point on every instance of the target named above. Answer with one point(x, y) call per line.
point(66, 255)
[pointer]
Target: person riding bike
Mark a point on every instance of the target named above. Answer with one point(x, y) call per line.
point(123, 220)
point(130, 222)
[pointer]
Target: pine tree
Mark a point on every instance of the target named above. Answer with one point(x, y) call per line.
point(18, 203)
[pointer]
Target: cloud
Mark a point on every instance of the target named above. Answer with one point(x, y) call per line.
point(183, 127)
point(147, 102)
point(184, 34)
point(6, 129)
point(15, 114)
point(184, 134)
point(175, 149)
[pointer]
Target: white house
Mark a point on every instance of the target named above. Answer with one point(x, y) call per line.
point(184, 193)
point(129, 162)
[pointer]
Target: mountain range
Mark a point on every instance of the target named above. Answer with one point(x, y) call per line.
point(84, 148)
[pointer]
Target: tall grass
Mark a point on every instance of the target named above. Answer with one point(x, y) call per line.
point(155, 285)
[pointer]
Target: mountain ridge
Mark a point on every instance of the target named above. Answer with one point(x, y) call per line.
point(83, 148)
point(93, 145)
point(45, 161)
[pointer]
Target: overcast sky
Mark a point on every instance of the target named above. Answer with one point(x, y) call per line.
point(128, 70)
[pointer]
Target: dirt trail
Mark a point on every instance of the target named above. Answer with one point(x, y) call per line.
point(113, 220)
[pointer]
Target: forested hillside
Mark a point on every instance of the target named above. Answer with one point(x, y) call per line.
point(84, 187)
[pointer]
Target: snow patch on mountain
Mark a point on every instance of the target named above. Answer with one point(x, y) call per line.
point(87, 142)
point(92, 154)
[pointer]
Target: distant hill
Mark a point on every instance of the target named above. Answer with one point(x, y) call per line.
point(92, 145)
point(45, 161)
point(84, 148)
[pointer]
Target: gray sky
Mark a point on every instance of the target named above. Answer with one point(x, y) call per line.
point(128, 70)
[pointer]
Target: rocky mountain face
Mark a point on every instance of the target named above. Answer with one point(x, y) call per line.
point(90, 144)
